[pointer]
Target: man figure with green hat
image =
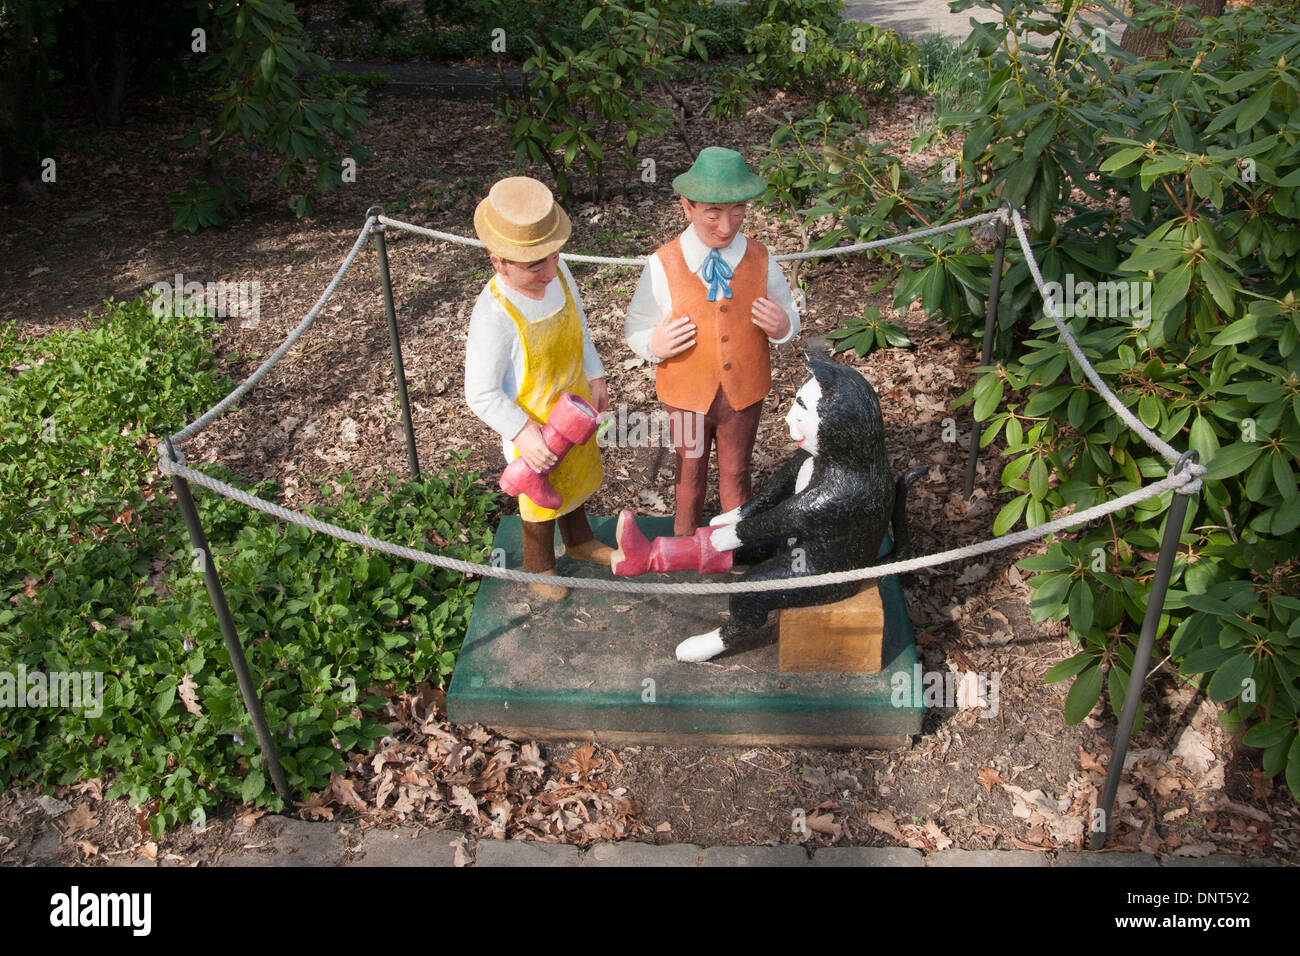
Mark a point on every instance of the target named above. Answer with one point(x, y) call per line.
point(706, 308)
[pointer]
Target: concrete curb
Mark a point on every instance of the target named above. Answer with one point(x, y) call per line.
point(297, 843)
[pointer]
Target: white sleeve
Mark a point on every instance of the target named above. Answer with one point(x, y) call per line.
point(650, 305)
point(778, 289)
point(592, 367)
point(488, 364)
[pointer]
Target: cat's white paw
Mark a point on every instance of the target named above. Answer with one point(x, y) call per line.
point(701, 647)
point(724, 538)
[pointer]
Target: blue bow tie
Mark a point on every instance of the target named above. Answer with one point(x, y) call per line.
point(715, 271)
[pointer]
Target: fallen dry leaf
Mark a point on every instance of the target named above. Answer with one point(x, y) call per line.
point(988, 776)
point(249, 818)
point(885, 824)
point(344, 791)
point(186, 692)
point(465, 802)
point(80, 819)
point(973, 573)
point(149, 850)
point(824, 823)
point(1194, 748)
point(530, 759)
point(582, 762)
point(1089, 761)
point(936, 836)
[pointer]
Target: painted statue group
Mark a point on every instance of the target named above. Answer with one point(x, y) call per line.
point(708, 306)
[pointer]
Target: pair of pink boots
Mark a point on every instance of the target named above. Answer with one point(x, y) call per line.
point(572, 421)
point(635, 555)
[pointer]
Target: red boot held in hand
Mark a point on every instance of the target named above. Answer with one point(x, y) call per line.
point(635, 555)
point(572, 421)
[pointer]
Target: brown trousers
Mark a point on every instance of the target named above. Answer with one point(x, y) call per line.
point(734, 432)
point(539, 538)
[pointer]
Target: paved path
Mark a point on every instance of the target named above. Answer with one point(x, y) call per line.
point(916, 18)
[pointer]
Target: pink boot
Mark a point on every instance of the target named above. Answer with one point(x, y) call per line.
point(572, 421)
point(635, 555)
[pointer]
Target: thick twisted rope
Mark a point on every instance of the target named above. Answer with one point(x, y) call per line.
point(219, 409)
point(1171, 482)
point(1120, 409)
point(1182, 481)
point(784, 257)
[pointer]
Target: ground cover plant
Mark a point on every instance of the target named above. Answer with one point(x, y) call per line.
point(98, 578)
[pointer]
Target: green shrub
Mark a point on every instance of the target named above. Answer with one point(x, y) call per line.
point(266, 106)
point(588, 103)
point(96, 575)
point(806, 45)
point(1179, 173)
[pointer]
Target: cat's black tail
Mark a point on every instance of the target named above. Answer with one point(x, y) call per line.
point(900, 535)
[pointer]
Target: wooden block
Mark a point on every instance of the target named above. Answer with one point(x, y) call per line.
point(841, 638)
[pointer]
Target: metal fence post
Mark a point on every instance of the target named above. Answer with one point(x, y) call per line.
point(1142, 658)
point(395, 339)
point(218, 597)
point(986, 354)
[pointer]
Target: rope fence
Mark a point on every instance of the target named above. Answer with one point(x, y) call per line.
point(1184, 479)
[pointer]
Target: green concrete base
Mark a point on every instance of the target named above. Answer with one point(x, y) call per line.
point(600, 664)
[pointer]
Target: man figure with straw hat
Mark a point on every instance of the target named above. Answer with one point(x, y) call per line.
point(706, 308)
point(528, 345)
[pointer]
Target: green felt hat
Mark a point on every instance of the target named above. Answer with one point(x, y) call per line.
point(719, 176)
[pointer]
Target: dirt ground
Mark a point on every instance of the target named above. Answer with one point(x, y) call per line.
point(974, 779)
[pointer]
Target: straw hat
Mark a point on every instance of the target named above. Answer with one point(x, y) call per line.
point(719, 176)
point(521, 221)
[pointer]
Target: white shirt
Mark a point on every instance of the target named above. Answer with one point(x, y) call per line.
point(652, 302)
point(494, 353)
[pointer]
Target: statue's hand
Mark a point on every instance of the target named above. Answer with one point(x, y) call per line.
point(672, 337)
point(724, 538)
point(771, 318)
point(533, 448)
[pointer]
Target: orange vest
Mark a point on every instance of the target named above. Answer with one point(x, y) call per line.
point(730, 350)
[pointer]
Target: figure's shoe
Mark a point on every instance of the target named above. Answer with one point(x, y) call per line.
point(701, 647)
point(593, 552)
point(551, 592)
point(632, 556)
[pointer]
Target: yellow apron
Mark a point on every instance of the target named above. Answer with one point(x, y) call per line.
point(552, 366)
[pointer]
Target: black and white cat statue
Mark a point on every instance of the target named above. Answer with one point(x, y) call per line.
point(826, 509)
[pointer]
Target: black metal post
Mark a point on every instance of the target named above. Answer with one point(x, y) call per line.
point(218, 597)
point(396, 341)
point(990, 323)
point(1141, 660)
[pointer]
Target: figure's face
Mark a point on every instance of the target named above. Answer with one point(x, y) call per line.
point(530, 278)
point(803, 418)
point(715, 224)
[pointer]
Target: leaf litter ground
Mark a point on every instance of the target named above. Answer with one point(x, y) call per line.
point(1020, 779)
